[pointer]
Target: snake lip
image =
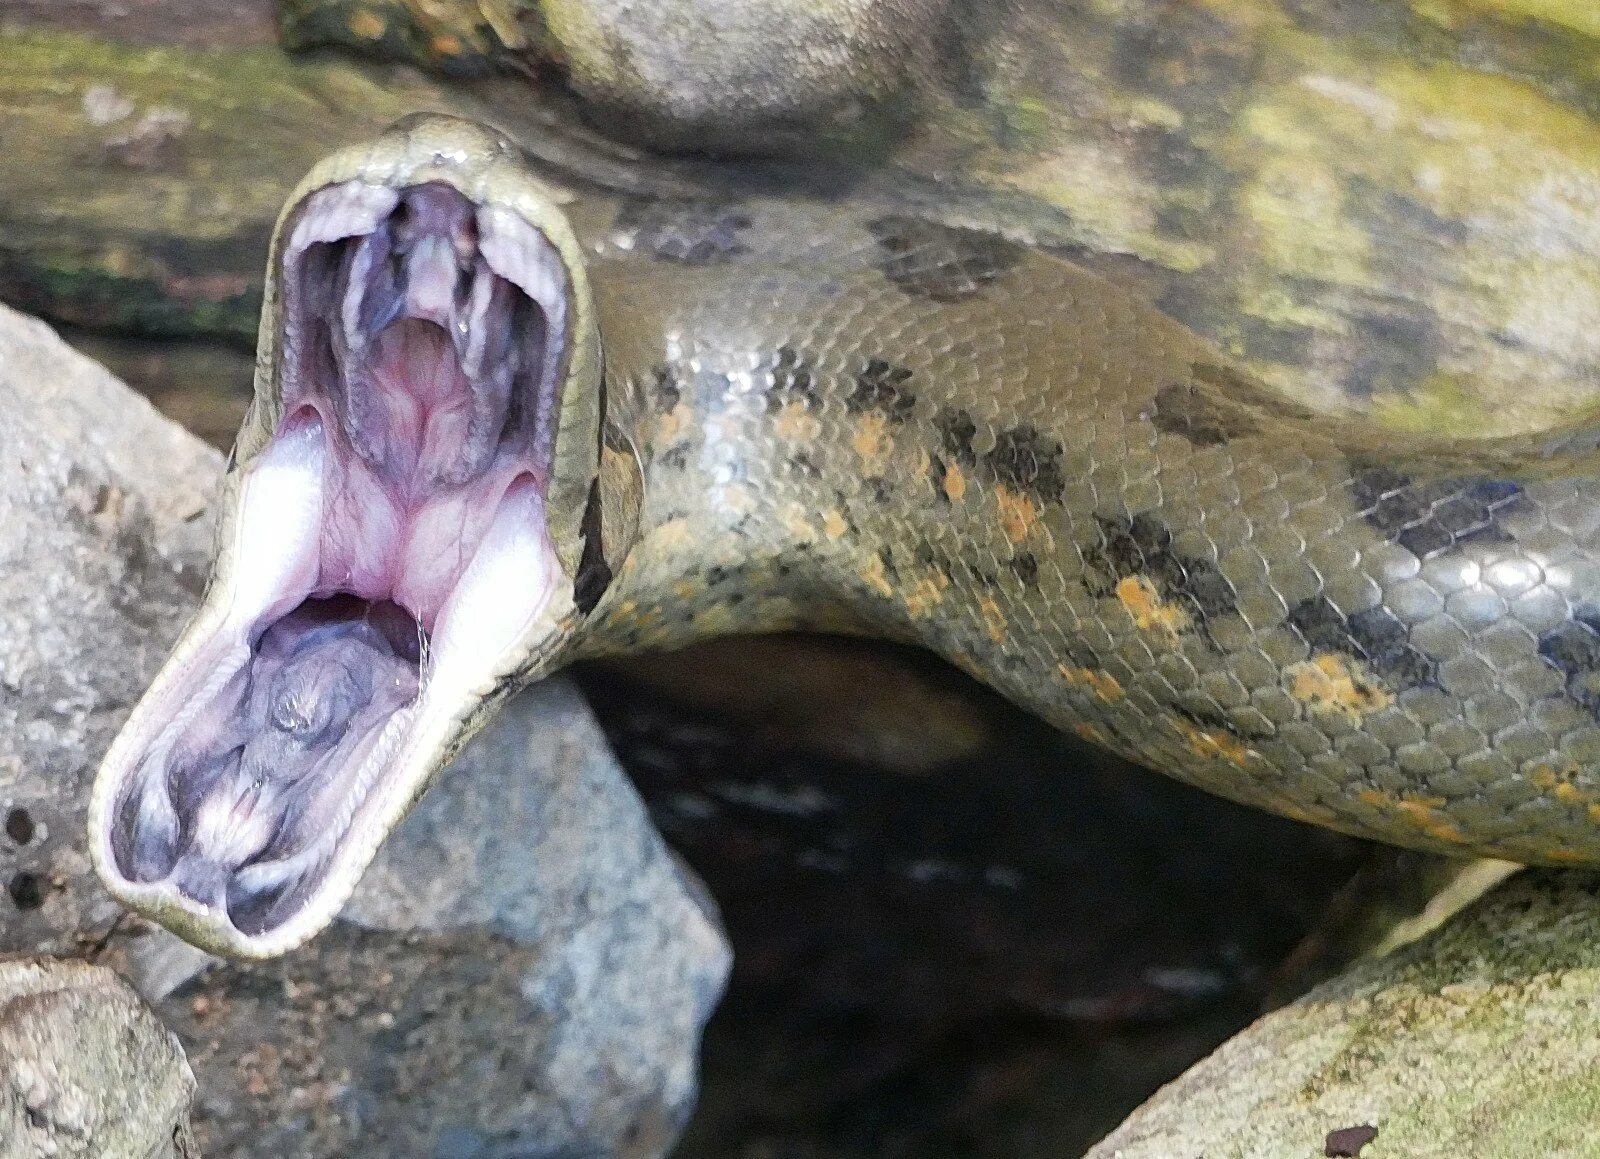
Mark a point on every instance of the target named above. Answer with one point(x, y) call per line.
point(385, 564)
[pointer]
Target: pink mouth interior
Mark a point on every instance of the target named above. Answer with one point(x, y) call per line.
point(422, 347)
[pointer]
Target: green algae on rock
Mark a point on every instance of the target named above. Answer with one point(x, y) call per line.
point(141, 183)
point(1481, 1039)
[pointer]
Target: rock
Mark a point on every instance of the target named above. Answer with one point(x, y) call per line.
point(85, 1068)
point(896, 710)
point(1481, 1039)
point(738, 76)
point(749, 76)
point(531, 967)
point(103, 505)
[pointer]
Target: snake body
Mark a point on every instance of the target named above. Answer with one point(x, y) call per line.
point(824, 414)
point(887, 424)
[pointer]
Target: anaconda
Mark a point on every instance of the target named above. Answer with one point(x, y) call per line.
point(496, 430)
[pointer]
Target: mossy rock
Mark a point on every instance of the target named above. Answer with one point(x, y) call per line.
point(1482, 1039)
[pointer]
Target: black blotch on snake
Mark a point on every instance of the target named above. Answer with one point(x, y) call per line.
point(1142, 546)
point(1023, 459)
point(1374, 635)
point(1184, 410)
point(1427, 517)
point(881, 385)
point(1217, 404)
point(1573, 649)
point(1026, 565)
point(684, 231)
point(793, 378)
point(945, 263)
point(1026, 460)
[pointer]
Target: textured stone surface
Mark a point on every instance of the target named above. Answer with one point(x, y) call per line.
point(1482, 1039)
point(102, 502)
point(85, 1069)
point(531, 968)
point(757, 76)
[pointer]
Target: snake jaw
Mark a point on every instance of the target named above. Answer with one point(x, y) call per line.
point(387, 567)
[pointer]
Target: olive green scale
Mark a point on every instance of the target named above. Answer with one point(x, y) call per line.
point(865, 420)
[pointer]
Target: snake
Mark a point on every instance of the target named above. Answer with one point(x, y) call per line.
point(499, 426)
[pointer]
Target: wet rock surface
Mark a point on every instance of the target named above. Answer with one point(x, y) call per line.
point(86, 1070)
point(740, 76)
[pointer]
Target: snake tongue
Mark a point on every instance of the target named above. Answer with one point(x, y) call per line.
point(387, 563)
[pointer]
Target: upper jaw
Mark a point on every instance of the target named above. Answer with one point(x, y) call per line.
point(294, 725)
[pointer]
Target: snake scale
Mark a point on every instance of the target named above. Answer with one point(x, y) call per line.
point(818, 414)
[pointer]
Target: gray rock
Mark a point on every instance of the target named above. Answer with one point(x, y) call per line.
point(102, 555)
point(85, 1068)
point(1481, 1039)
point(761, 76)
point(527, 969)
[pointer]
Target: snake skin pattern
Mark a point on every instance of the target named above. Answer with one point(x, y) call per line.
point(878, 422)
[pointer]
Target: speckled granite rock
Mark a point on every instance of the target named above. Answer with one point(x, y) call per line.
point(85, 1069)
point(531, 967)
point(102, 554)
point(1482, 1039)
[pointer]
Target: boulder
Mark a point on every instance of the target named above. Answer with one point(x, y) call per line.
point(1481, 1039)
point(86, 1070)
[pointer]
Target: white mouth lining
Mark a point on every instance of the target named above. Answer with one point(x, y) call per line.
point(500, 601)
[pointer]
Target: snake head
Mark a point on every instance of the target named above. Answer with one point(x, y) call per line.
point(409, 531)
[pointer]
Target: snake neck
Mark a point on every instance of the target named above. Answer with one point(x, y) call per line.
point(731, 539)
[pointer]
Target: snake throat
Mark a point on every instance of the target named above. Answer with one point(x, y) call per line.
point(391, 552)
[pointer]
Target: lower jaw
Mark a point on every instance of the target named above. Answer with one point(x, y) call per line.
point(505, 600)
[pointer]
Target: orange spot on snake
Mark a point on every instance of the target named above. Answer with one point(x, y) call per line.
point(796, 422)
point(833, 524)
point(368, 25)
point(672, 534)
point(446, 45)
point(1102, 684)
point(994, 620)
point(1089, 733)
point(1017, 513)
point(1333, 684)
point(794, 520)
point(1149, 611)
point(1425, 813)
point(873, 444)
point(928, 591)
point(873, 574)
point(955, 483)
point(1210, 745)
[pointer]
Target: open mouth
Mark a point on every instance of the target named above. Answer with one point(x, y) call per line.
point(388, 557)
